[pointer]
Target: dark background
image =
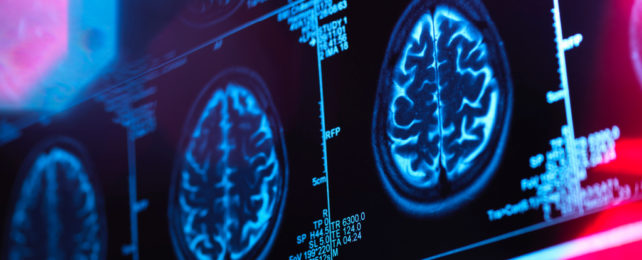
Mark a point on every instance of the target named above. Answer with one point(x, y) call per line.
point(603, 88)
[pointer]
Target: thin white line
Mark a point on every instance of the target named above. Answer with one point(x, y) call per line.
point(323, 127)
point(561, 56)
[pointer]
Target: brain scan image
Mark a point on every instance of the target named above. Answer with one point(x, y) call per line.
point(203, 13)
point(230, 182)
point(58, 212)
point(442, 107)
point(635, 36)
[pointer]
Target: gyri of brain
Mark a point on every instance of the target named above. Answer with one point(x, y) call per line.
point(57, 214)
point(231, 181)
point(444, 99)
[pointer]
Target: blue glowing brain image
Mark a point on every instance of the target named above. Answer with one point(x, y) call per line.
point(443, 106)
point(58, 213)
point(231, 184)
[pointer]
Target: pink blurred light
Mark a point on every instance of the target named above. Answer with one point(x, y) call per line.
point(614, 234)
point(34, 36)
point(628, 162)
point(625, 218)
point(586, 247)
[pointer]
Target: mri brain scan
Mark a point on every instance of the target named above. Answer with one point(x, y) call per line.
point(230, 184)
point(202, 13)
point(443, 106)
point(58, 213)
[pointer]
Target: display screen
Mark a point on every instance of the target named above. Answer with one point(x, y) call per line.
point(320, 129)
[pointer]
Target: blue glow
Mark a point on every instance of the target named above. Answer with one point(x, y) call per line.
point(232, 184)
point(57, 214)
point(93, 45)
point(442, 111)
point(8, 132)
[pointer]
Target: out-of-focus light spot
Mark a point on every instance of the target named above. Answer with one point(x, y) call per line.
point(616, 233)
point(617, 218)
point(65, 45)
point(34, 36)
point(614, 217)
point(628, 251)
point(585, 246)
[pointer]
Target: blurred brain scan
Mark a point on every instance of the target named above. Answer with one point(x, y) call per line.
point(442, 107)
point(231, 179)
point(204, 13)
point(58, 212)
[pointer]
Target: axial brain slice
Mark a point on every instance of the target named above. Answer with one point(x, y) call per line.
point(444, 99)
point(57, 215)
point(230, 183)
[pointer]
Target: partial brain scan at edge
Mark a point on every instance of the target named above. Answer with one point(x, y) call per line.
point(58, 210)
point(442, 108)
point(205, 13)
point(230, 181)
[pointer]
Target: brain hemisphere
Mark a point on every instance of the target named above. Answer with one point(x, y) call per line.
point(56, 215)
point(232, 177)
point(444, 99)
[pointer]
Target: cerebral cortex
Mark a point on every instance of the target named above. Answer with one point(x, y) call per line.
point(56, 214)
point(444, 99)
point(231, 181)
point(443, 106)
